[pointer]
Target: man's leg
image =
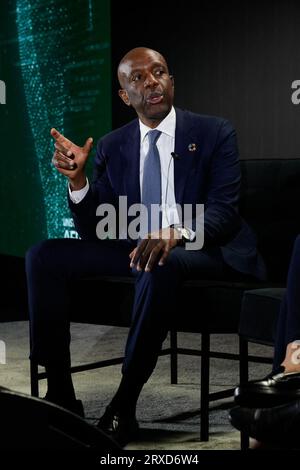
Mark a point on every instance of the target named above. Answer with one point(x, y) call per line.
point(52, 267)
point(155, 300)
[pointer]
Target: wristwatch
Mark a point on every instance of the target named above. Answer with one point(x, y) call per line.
point(185, 233)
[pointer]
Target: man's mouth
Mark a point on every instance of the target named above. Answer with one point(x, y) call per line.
point(154, 98)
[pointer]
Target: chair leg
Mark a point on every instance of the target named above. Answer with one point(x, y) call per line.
point(244, 368)
point(244, 376)
point(204, 403)
point(34, 370)
point(174, 357)
point(245, 441)
point(34, 381)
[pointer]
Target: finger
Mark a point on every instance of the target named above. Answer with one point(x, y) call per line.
point(68, 166)
point(144, 258)
point(64, 162)
point(58, 161)
point(131, 254)
point(62, 149)
point(164, 256)
point(153, 257)
point(88, 144)
point(139, 250)
point(55, 158)
point(57, 165)
point(61, 139)
point(62, 157)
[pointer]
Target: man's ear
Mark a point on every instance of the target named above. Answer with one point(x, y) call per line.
point(172, 79)
point(124, 96)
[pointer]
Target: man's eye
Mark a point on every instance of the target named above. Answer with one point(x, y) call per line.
point(135, 78)
point(159, 72)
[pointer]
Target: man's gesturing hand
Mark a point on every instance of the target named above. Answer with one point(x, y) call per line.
point(70, 160)
point(154, 249)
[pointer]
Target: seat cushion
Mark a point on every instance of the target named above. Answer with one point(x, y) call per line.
point(212, 306)
point(259, 313)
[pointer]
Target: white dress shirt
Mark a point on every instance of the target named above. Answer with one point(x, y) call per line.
point(165, 145)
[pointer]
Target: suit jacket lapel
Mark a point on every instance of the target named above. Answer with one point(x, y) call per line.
point(182, 165)
point(130, 153)
point(130, 157)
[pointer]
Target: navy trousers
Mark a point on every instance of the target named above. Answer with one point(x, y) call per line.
point(52, 266)
point(288, 326)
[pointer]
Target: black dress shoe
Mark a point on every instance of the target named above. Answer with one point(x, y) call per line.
point(75, 406)
point(275, 389)
point(120, 427)
point(279, 424)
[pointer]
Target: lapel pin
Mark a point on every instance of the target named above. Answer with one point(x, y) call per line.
point(192, 147)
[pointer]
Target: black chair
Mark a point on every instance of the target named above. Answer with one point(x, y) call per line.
point(258, 323)
point(260, 307)
point(272, 212)
point(268, 188)
point(259, 315)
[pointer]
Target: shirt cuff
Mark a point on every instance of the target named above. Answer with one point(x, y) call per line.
point(77, 196)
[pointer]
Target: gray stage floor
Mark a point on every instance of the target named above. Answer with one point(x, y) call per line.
point(168, 414)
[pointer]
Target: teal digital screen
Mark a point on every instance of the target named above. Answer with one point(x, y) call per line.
point(55, 71)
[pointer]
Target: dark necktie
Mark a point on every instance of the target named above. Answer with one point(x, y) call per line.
point(151, 189)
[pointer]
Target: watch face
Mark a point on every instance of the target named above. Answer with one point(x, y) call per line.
point(185, 233)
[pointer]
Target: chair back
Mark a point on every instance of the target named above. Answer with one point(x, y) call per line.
point(270, 199)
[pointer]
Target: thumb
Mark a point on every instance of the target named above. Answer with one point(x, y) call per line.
point(88, 144)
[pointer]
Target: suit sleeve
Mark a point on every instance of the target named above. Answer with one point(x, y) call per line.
point(100, 191)
point(221, 218)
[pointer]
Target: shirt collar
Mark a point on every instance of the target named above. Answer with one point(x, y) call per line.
point(167, 125)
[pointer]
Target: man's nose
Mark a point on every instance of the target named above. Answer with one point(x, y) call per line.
point(150, 80)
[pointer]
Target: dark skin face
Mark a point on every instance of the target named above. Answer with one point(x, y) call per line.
point(146, 85)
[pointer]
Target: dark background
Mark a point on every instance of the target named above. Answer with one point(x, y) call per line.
point(235, 59)
point(232, 59)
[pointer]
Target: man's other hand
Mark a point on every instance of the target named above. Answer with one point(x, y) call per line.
point(154, 249)
point(70, 159)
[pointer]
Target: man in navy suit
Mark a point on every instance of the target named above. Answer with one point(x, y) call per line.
point(197, 159)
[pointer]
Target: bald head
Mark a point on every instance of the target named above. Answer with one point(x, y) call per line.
point(136, 55)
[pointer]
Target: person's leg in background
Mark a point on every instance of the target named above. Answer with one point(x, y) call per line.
point(288, 329)
point(52, 267)
point(270, 408)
